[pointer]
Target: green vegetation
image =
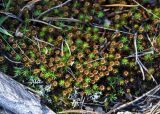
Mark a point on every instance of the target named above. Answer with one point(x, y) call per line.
point(70, 50)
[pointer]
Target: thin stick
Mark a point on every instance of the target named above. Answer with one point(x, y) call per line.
point(119, 5)
point(139, 55)
point(67, 46)
point(78, 111)
point(11, 16)
point(23, 52)
point(43, 41)
point(132, 102)
point(29, 5)
point(136, 56)
point(147, 71)
point(146, 9)
point(135, 45)
point(43, 22)
point(60, 19)
point(8, 43)
point(112, 29)
point(12, 60)
point(49, 10)
point(142, 67)
point(62, 53)
point(69, 70)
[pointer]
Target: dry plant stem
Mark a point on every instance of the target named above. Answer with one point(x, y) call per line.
point(11, 15)
point(134, 101)
point(154, 96)
point(147, 71)
point(8, 43)
point(62, 53)
point(136, 56)
point(12, 60)
point(29, 5)
point(145, 9)
point(154, 108)
point(142, 67)
point(69, 70)
point(67, 47)
point(39, 40)
point(23, 52)
point(43, 22)
point(49, 10)
point(78, 111)
point(101, 27)
point(60, 19)
point(141, 54)
point(20, 34)
point(135, 46)
point(119, 5)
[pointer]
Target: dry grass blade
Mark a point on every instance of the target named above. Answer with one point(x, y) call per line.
point(12, 60)
point(78, 111)
point(135, 46)
point(43, 41)
point(60, 19)
point(43, 22)
point(11, 15)
point(140, 54)
point(147, 71)
point(30, 4)
point(114, 30)
point(49, 10)
point(146, 9)
point(62, 53)
point(142, 67)
point(67, 47)
point(23, 52)
point(157, 88)
point(119, 5)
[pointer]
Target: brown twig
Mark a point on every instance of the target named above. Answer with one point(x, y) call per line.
point(119, 5)
point(137, 99)
point(16, 62)
point(39, 40)
point(78, 111)
point(60, 19)
point(29, 5)
point(43, 22)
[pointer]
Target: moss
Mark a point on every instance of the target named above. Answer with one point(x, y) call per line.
point(82, 55)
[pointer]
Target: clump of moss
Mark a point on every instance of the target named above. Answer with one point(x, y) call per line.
point(80, 54)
